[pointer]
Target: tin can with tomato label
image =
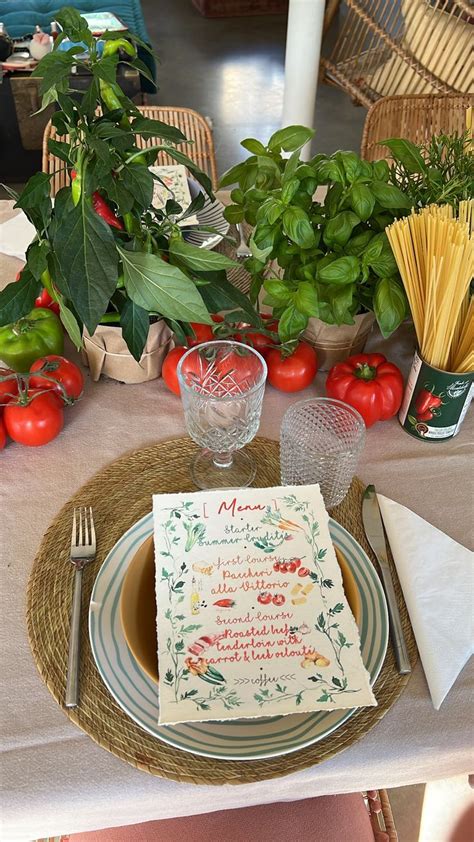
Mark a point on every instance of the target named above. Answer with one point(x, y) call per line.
point(435, 402)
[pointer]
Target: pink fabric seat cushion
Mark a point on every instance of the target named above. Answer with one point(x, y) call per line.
point(330, 818)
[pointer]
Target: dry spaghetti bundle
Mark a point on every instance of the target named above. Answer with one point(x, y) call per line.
point(435, 255)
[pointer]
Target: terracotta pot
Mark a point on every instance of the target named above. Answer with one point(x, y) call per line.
point(106, 352)
point(334, 343)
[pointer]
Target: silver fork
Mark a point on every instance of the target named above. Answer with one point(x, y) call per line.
point(242, 251)
point(82, 552)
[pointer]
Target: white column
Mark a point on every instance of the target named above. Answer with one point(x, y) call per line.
point(303, 47)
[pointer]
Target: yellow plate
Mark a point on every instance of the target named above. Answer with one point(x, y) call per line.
point(138, 605)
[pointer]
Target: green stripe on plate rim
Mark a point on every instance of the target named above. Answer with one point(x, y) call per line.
point(136, 693)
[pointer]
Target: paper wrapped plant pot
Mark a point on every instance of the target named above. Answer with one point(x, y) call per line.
point(334, 343)
point(106, 352)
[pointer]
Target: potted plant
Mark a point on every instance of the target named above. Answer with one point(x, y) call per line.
point(334, 265)
point(102, 251)
point(439, 171)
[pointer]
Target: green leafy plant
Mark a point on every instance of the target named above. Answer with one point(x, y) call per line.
point(102, 251)
point(440, 171)
point(334, 258)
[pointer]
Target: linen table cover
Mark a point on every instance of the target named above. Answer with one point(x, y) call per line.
point(55, 778)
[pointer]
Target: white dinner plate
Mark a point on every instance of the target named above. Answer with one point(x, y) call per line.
point(243, 739)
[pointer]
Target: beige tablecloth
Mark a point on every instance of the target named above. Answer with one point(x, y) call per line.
point(56, 779)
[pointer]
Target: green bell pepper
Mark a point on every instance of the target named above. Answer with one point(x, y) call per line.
point(37, 334)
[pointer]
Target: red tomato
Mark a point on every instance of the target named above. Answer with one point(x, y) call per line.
point(373, 386)
point(303, 571)
point(296, 562)
point(3, 435)
point(291, 567)
point(168, 371)
point(44, 300)
point(8, 388)
point(264, 598)
point(283, 567)
point(278, 599)
point(293, 373)
point(276, 567)
point(67, 373)
point(202, 333)
point(36, 423)
point(242, 365)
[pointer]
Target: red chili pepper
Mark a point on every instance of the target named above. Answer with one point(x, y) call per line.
point(44, 300)
point(102, 208)
point(225, 603)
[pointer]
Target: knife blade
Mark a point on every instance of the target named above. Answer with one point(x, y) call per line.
point(373, 526)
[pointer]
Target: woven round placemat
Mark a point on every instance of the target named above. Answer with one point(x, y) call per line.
point(120, 494)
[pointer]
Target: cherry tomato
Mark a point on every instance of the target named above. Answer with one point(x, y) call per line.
point(3, 434)
point(291, 567)
point(264, 598)
point(168, 371)
point(296, 562)
point(293, 373)
point(8, 388)
point(283, 567)
point(277, 567)
point(303, 571)
point(278, 599)
point(67, 373)
point(35, 423)
point(44, 300)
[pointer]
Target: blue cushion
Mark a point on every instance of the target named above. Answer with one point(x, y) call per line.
point(21, 16)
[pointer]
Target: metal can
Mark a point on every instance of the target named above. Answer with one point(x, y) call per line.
point(435, 402)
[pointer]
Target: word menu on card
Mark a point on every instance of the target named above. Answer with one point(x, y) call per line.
point(252, 619)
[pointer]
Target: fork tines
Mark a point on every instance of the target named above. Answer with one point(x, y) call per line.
point(83, 529)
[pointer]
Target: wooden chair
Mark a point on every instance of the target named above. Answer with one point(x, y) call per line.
point(416, 118)
point(192, 124)
point(408, 47)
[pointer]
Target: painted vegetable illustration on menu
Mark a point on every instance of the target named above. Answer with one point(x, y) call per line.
point(252, 617)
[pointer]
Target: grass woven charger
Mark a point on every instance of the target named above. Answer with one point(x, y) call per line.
point(120, 494)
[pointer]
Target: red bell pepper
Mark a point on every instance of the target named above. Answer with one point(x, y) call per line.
point(370, 384)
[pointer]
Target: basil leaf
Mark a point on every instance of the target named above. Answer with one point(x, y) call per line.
point(289, 189)
point(291, 323)
point(199, 259)
point(389, 196)
point(270, 211)
point(87, 256)
point(135, 322)
point(331, 202)
point(298, 228)
point(343, 270)
point(155, 285)
point(340, 299)
point(351, 163)
point(253, 145)
point(339, 229)
point(278, 291)
point(233, 175)
point(330, 170)
point(381, 170)
point(290, 138)
point(390, 305)
point(18, 298)
point(362, 201)
point(306, 299)
point(291, 166)
point(234, 213)
point(359, 242)
point(406, 152)
point(373, 250)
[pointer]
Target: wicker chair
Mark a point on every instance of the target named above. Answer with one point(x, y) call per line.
point(192, 124)
point(416, 118)
point(410, 47)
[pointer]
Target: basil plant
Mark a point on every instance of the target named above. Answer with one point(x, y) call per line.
point(102, 250)
point(334, 257)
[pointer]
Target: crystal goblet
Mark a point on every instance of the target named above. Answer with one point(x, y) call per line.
point(222, 385)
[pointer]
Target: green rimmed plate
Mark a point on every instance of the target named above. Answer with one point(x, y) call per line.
point(245, 739)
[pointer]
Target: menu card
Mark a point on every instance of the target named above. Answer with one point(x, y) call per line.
point(173, 185)
point(252, 619)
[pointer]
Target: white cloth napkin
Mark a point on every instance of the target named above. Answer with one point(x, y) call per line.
point(16, 235)
point(436, 575)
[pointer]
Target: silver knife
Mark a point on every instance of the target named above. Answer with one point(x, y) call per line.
point(374, 531)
